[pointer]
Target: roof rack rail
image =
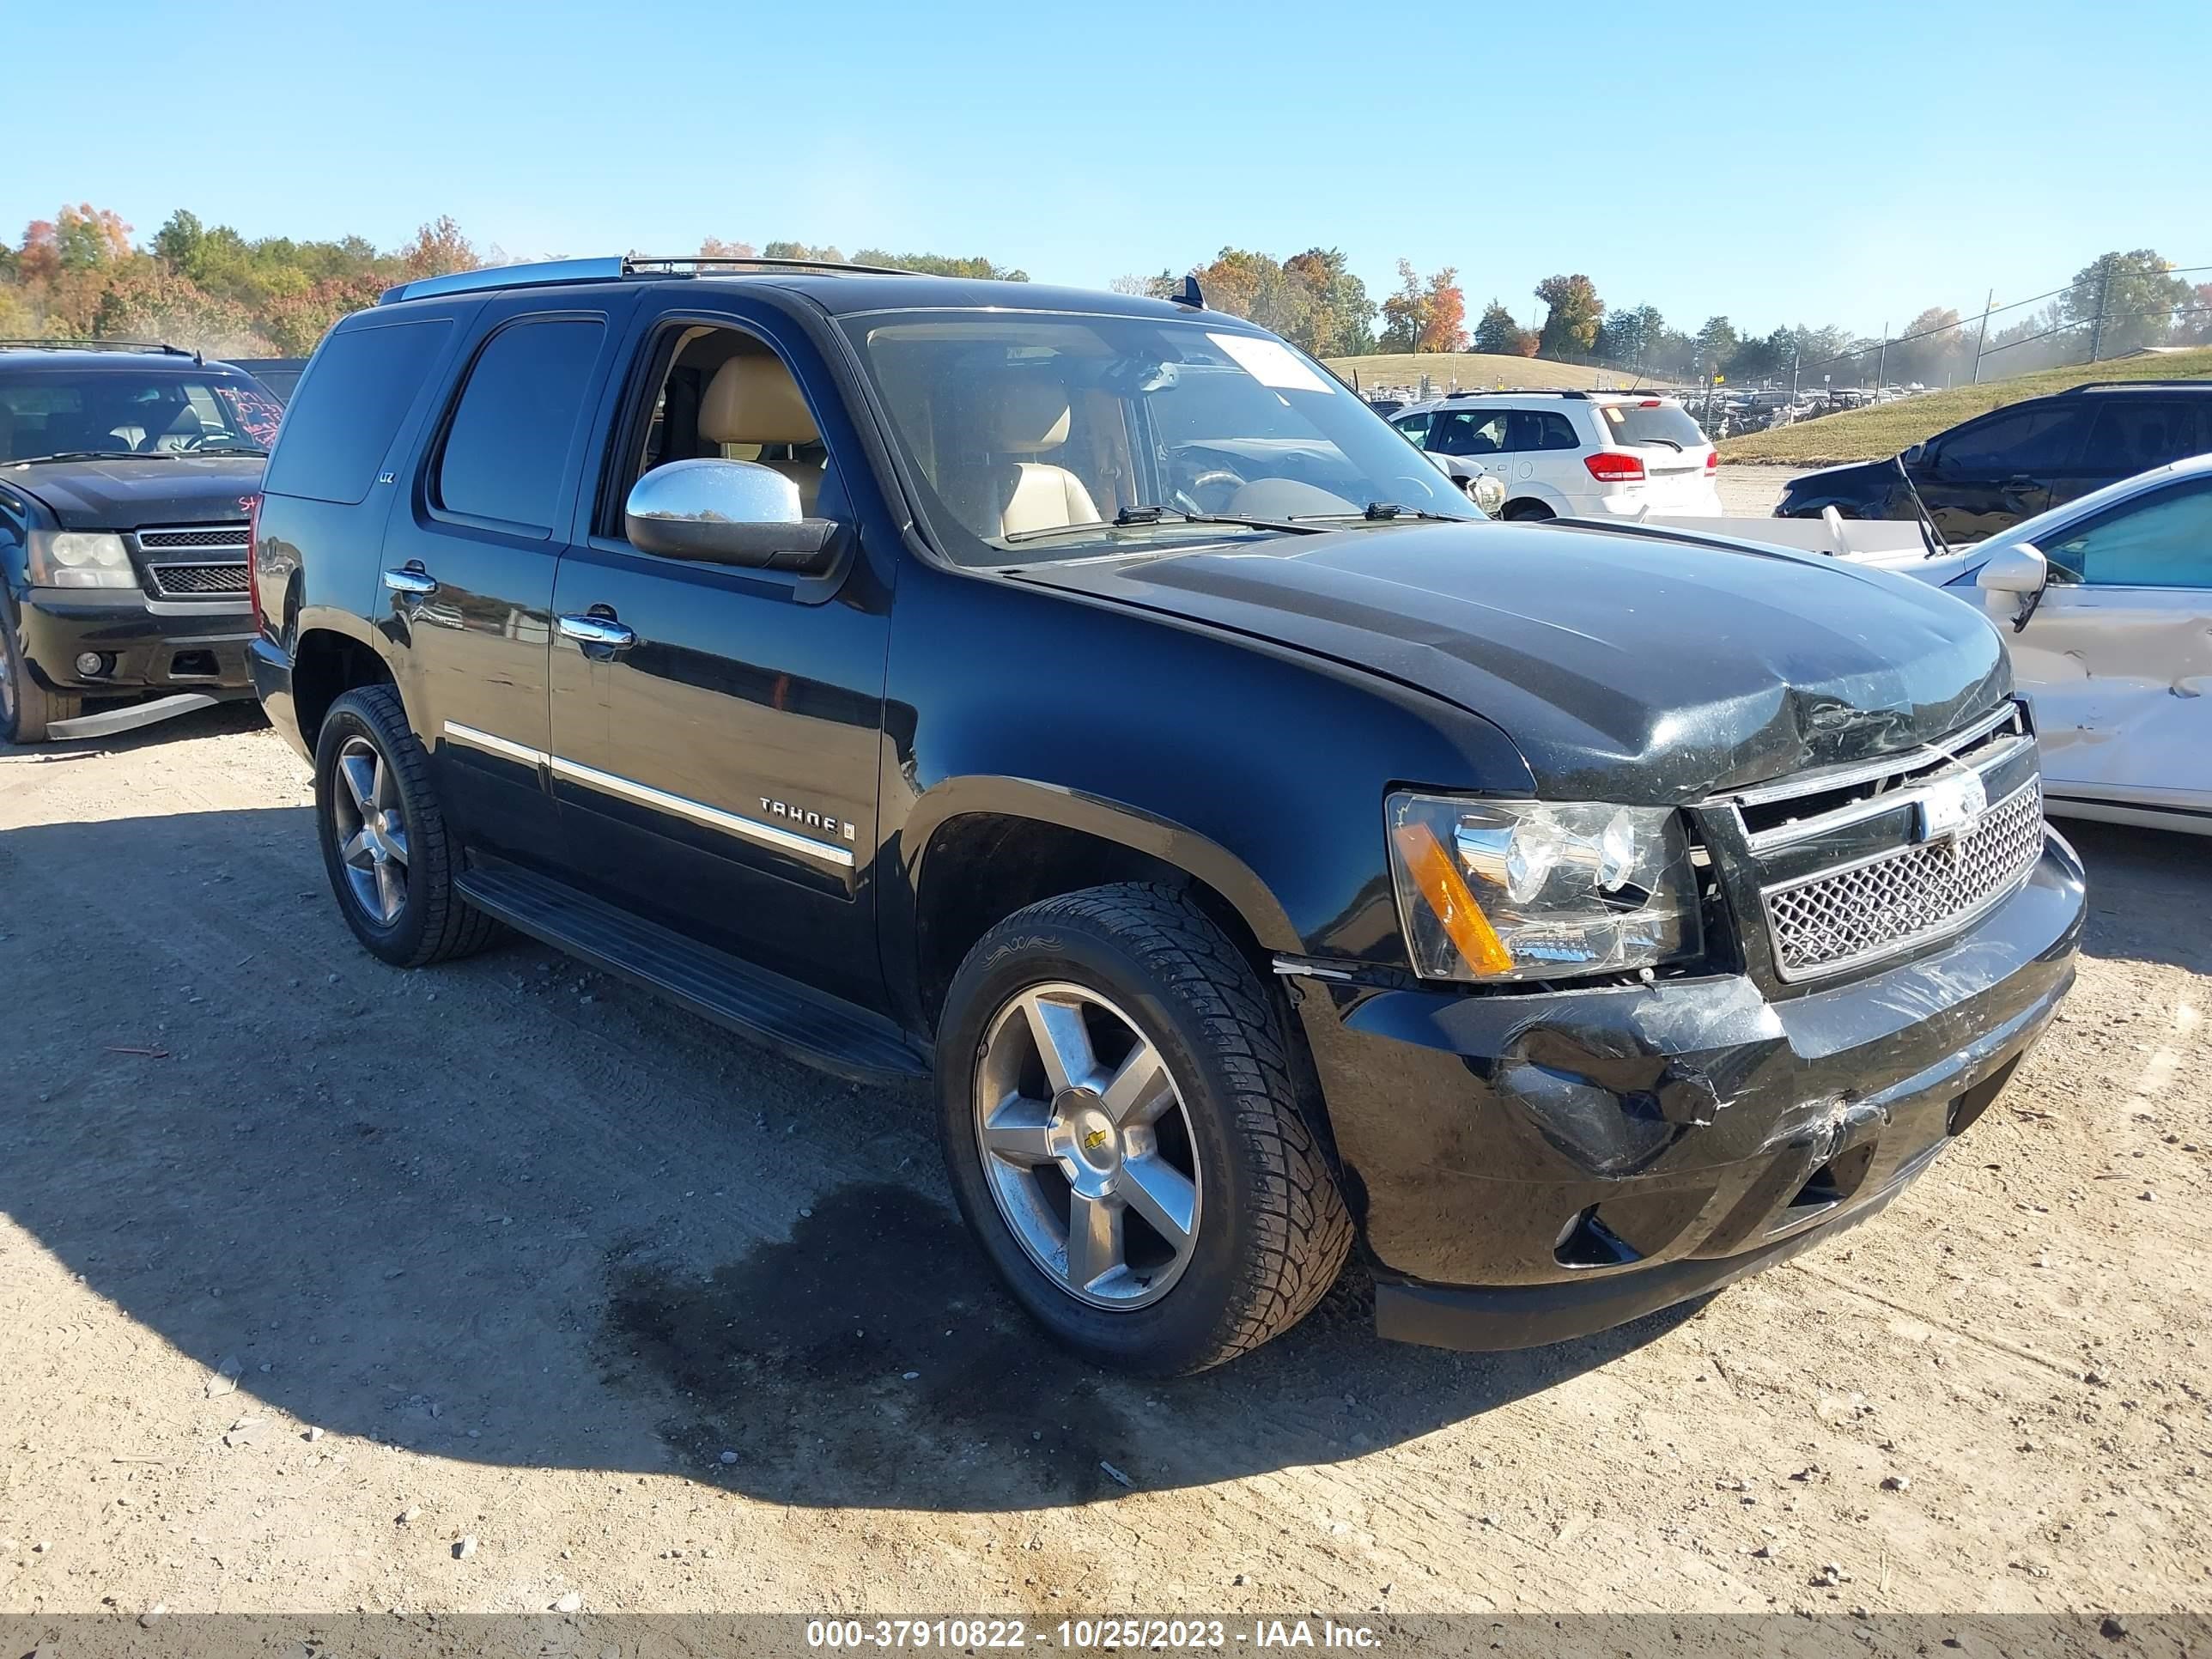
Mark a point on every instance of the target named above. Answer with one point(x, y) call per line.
point(612, 268)
point(635, 263)
point(97, 345)
point(2201, 382)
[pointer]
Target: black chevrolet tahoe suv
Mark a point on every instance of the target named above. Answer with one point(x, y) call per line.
point(126, 475)
point(1087, 701)
point(1983, 477)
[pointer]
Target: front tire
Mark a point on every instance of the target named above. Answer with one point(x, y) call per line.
point(384, 840)
point(1527, 512)
point(27, 707)
point(1122, 1133)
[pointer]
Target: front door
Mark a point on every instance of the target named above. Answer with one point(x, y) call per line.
point(2117, 657)
point(716, 730)
point(1983, 478)
point(469, 560)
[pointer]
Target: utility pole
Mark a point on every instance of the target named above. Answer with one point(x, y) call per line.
point(2104, 293)
point(1982, 339)
point(1794, 356)
point(1880, 362)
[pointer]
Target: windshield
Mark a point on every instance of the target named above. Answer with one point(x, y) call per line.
point(1651, 421)
point(113, 411)
point(1038, 436)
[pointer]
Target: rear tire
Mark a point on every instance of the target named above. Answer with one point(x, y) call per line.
point(384, 840)
point(27, 707)
point(1144, 972)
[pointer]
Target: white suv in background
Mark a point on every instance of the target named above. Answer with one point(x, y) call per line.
point(1575, 454)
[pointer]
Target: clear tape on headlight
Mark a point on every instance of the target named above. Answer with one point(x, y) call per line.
point(1540, 890)
point(80, 558)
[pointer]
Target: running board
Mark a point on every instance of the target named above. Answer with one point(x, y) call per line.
point(825, 1032)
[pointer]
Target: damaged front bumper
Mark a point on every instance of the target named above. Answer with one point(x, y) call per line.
point(1533, 1168)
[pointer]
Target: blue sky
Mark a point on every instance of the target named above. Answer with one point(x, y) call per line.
point(1780, 163)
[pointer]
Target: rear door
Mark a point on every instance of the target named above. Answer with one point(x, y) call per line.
point(470, 556)
point(1984, 478)
point(2118, 656)
point(2132, 436)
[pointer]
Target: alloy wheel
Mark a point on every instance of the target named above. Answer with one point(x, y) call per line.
point(370, 830)
point(1086, 1146)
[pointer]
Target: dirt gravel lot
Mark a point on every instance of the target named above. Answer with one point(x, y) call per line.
point(326, 1287)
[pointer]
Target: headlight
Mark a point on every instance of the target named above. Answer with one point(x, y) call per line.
point(1486, 492)
point(1540, 890)
point(78, 558)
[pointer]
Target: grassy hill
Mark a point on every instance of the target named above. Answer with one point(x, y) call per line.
point(1473, 371)
point(1872, 434)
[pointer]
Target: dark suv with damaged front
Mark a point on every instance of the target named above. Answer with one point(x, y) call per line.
point(1087, 703)
point(126, 475)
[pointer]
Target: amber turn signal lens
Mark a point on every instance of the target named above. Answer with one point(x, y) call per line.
point(1446, 892)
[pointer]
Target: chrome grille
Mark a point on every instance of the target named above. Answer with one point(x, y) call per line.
point(1838, 918)
point(229, 535)
point(193, 581)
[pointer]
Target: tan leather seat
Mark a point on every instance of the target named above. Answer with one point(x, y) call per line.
point(1028, 417)
point(753, 399)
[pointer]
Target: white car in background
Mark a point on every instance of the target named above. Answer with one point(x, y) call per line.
point(2106, 604)
point(1574, 454)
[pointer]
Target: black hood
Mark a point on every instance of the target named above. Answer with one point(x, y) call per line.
point(1628, 665)
point(123, 495)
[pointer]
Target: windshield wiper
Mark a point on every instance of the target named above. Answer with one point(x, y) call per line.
point(1669, 442)
point(1130, 518)
point(99, 455)
point(1382, 512)
point(227, 449)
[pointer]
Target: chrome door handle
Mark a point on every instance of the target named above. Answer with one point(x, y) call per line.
point(416, 584)
point(598, 630)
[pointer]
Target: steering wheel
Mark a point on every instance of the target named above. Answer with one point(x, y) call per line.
point(1219, 477)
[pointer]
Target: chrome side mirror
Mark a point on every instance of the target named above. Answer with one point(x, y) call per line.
point(2019, 572)
point(726, 512)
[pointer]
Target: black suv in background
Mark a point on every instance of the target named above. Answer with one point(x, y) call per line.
point(1984, 475)
point(125, 472)
point(1088, 701)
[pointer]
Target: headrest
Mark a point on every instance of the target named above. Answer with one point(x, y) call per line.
point(752, 399)
point(1029, 414)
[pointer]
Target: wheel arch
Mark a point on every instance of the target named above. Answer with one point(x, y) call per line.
point(329, 658)
point(976, 849)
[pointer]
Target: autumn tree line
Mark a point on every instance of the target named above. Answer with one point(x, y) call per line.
point(82, 275)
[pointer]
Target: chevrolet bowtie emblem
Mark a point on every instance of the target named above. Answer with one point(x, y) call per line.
point(1950, 804)
point(1094, 1141)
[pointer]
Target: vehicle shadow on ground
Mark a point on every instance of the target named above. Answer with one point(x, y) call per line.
point(509, 1211)
point(2142, 883)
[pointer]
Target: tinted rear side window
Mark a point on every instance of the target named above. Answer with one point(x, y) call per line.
point(351, 401)
point(2134, 437)
point(508, 445)
point(1651, 423)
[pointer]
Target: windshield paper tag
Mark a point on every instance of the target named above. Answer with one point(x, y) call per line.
point(1270, 363)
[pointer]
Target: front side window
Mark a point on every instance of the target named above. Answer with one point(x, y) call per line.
point(1416, 428)
point(121, 412)
point(2031, 439)
point(1036, 436)
point(506, 451)
point(2163, 540)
